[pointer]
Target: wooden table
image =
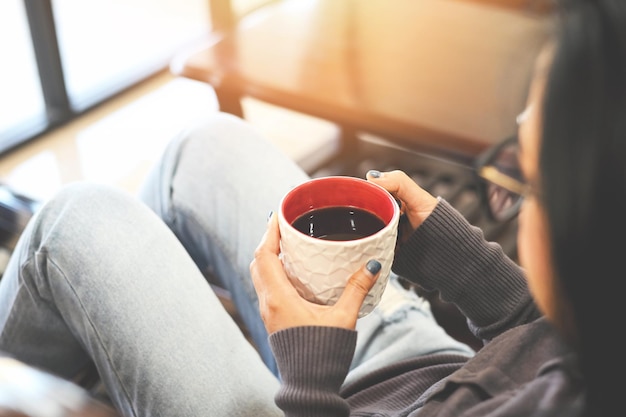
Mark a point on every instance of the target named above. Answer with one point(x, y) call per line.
point(447, 75)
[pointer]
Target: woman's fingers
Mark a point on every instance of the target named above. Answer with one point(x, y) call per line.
point(268, 276)
point(357, 288)
point(417, 203)
point(271, 239)
point(266, 267)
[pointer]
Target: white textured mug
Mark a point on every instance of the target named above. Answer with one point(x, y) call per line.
point(318, 258)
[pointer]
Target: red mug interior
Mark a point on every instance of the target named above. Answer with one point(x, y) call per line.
point(338, 191)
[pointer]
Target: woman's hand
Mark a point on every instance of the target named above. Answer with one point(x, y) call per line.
point(280, 304)
point(416, 203)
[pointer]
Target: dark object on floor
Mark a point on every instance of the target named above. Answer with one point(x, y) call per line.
point(15, 212)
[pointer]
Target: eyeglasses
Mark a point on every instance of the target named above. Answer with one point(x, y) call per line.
point(501, 184)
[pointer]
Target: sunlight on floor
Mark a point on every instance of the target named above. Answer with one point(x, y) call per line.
point(115, 148)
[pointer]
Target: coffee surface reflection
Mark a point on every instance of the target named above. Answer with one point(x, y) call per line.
point(339, 223)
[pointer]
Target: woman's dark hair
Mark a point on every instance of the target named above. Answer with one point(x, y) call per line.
point(583, 188)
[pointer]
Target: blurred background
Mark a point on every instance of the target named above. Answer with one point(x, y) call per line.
point(68, 65)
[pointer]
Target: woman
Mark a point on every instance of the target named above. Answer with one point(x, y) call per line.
point(97, 279)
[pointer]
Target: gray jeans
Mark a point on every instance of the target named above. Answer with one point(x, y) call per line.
point(97, 278)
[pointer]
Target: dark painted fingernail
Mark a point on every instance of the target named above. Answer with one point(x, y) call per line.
point(373, 266)
point(269, 215)
point(374, 173)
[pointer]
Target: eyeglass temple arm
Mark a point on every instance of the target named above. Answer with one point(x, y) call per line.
point(490, 173)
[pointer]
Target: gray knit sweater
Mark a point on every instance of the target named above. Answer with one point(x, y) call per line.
point(524, 368)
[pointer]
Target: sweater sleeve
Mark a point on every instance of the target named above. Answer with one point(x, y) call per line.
point(313, 363)
point(448, 254)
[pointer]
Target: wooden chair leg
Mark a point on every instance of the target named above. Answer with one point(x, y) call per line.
point(229, 101)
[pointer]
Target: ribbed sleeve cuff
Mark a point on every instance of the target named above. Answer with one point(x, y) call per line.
point(312, 355)
point(313, 363)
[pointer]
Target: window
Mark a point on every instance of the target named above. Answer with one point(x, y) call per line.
point(62, 57)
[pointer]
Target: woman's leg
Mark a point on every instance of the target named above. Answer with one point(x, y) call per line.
point(96, 276)
point(215, 187)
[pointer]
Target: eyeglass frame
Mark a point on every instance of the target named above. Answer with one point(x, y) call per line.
point(485, 173)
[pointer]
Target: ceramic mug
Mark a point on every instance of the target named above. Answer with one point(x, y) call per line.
point(330, 227)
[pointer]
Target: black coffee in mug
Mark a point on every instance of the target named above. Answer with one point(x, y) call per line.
point(338, 223)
